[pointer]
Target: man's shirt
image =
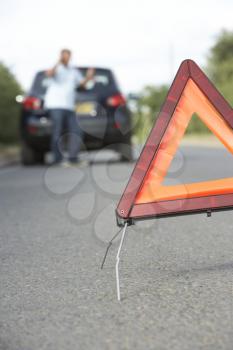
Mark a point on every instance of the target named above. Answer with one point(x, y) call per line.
point(61, 88)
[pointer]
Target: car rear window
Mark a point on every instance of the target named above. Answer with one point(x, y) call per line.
point(103, 81)
point(100, 80)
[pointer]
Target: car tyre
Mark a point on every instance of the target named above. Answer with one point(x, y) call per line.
point(29, 156)
point(126, 152)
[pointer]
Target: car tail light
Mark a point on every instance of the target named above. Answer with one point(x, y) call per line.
point(32, 129)
point(116, 100)
point(32, 103)
point(117, 125)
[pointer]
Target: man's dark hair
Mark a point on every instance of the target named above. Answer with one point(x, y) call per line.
point(66, 51)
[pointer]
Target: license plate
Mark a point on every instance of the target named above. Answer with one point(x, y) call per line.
point(85, 108)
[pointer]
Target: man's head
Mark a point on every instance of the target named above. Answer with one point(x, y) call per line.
point(65, 56)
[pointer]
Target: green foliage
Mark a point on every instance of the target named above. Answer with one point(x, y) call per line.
point(148, 107)
point(9, 109)
point(220, 64)
point(196, 126)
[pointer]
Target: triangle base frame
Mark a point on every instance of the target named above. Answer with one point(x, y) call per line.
point(133, 220)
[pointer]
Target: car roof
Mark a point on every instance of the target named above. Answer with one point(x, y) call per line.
point(84, 68)
point(97, 68)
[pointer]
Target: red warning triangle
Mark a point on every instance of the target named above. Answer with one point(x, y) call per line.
point(145, 196)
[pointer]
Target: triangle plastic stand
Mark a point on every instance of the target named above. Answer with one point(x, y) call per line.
point(145, 196)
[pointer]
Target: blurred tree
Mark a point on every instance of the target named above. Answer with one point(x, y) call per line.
point(220, 64)
point(9, 109)
point(149, 104)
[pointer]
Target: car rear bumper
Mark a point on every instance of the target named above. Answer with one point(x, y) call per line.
point(97, 132)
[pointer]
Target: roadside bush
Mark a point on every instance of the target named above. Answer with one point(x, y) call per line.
point(9, 109)
point(220, 64)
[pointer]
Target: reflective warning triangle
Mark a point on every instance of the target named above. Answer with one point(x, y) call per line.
point(145, 196)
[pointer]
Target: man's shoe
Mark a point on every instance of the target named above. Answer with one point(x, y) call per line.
point(76, 163)
point(79, 163)
point(66, 164)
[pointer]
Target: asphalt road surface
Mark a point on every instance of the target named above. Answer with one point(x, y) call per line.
point(176, 273)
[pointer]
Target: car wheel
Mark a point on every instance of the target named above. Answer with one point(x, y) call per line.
point(39, 157)
point(29, 156)
point(126, 152)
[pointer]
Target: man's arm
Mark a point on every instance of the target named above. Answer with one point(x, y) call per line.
point(51, 72)
point(89, 76)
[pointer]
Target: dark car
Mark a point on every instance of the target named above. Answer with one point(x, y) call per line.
point(101, 110)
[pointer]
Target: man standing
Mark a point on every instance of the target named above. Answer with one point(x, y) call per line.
point(60, 102)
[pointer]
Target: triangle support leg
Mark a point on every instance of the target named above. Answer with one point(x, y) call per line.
point(109, 246)
point(118, 260)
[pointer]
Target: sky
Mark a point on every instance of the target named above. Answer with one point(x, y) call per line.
point(143, 41)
